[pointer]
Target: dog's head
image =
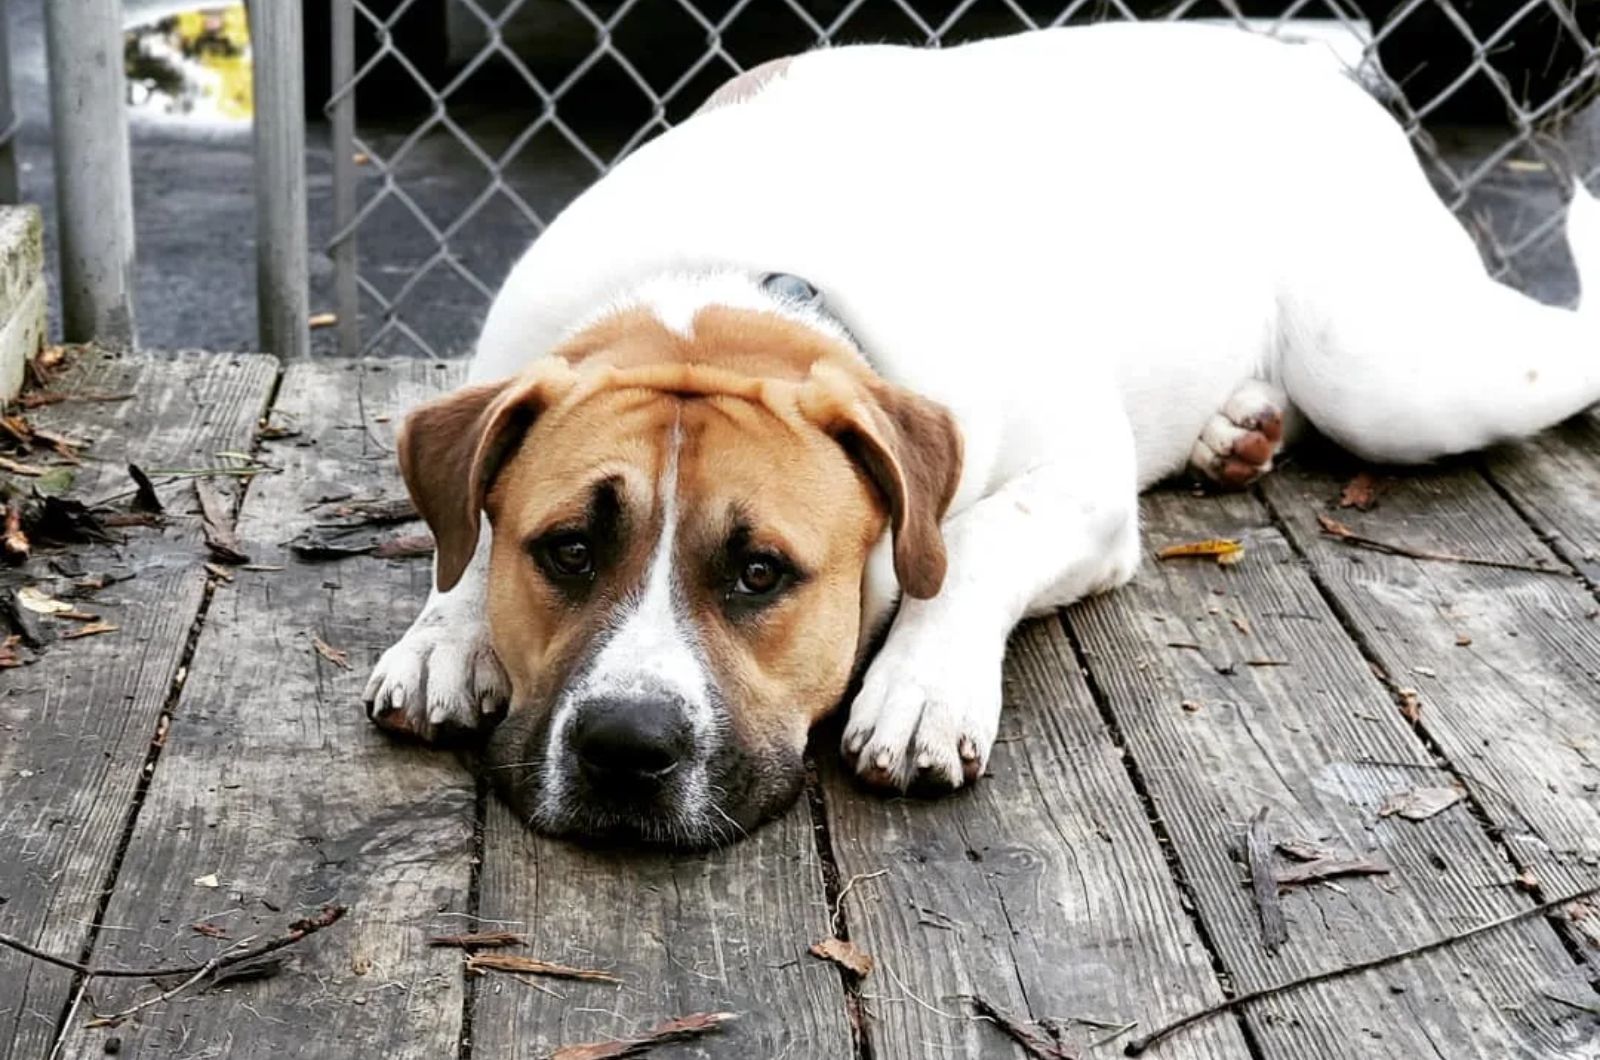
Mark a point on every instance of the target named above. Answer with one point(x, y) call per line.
point(681, 521)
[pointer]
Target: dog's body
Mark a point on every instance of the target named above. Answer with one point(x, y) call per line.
point(1093, 247)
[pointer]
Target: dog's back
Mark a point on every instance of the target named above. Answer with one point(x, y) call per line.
point(1159, 211)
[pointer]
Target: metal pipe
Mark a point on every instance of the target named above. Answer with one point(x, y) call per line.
point(347, 300)
point(282, 299)
point(94, 187)
point(9, 189)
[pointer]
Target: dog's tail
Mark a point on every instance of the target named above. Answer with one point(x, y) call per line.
point(1453, 360)
point(1583, 240)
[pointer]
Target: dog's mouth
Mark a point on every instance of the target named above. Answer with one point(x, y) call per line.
point(714, 796)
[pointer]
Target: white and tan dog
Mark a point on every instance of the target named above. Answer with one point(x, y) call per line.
point(1047, 265)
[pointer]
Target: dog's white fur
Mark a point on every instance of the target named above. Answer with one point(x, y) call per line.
point(1089, 244)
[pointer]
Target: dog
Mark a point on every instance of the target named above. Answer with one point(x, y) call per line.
point(881, 345)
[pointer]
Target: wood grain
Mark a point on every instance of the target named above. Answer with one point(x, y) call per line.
point(1513, 710)
point(75, 726)
point(725, 931)
point(1319, 740)
point(1042, 889)
point(275, 787)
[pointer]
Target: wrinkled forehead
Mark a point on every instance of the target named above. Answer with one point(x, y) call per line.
point(725, 459)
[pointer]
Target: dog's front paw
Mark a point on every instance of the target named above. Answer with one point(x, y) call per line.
point(925, 721)
point(442, 675)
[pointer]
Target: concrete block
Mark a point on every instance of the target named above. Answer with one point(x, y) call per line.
point(22, 293)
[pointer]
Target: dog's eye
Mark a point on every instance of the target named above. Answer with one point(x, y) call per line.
point(567, 555)
point(760, 576)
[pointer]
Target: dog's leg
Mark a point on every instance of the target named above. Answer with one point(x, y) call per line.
point(1423, 355)
point(442, 674)
point(929, 706)
point(1240, 442)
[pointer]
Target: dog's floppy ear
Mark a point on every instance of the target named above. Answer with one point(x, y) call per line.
point(452, 447)
point(909, 448)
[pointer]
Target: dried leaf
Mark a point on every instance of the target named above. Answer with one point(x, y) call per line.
point(380, 512)
point(1224, 550)
point(1327, 868)
point(322, 320)
point(263, 967)
point(1304, 850)
point(1263, 885)
point(845, 954)
point(220, 573)
point(671, 1031)
point(1039, 1046)
point(1419, 804)
point(1360, 493)
point(406, 546)
point(216, 522)
point(341, 659)
point(39, 602)
point(479, 940)
point(1463, 640)
point(208, 880)
point(1242, 625)
point(1190, 706)
point(144, 497)
point(118, 520)
point(56, 481)
point(16, 467)
point(18, 428)
point(510, 962)
point(321, 544)
point(272, 432)
point(1410, 705)
point(209, 930)
point(15, 543)
point(89, 630)
point(1332, 526)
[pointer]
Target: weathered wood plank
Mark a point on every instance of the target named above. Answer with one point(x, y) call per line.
point(273, 782)
point(726, 931)
point(1513, 709)
point(1554, 479)
point(1042, 889)
point(1309, 732)
point(75, 726)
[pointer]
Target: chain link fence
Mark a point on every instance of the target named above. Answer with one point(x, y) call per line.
point(461, 127)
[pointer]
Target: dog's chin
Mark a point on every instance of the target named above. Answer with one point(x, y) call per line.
point(716, 801)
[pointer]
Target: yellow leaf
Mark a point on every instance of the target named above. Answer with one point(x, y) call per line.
point(1225, 550)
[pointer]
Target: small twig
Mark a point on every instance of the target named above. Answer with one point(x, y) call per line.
point(1340, 532)
point(1258, 851)
point(1139, 1045)
point(838, 903)
point(115, 1019)
point(298, 930)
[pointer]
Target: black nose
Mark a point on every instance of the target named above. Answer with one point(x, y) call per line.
point(630, 741)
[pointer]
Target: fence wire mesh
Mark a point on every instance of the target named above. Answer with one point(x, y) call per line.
point(480, 119)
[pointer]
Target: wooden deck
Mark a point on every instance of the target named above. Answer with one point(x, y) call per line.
point(206, 764)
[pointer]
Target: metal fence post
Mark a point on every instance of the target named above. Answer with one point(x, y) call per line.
point(343, 112)
point(282, 300)
point(9, 190)
point(94, 187)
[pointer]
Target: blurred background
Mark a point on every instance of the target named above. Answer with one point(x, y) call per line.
point(475, 121)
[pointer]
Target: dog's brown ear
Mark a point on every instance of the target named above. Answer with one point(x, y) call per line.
point(910, 449)
point(452, 447)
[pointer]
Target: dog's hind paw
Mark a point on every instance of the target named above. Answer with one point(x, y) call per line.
point(1237, 445)
point(441, 676)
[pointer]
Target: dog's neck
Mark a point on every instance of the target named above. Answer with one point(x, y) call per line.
point(676, 298)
